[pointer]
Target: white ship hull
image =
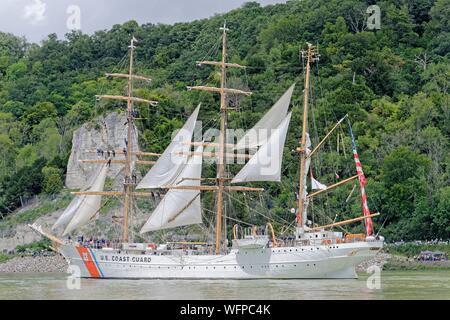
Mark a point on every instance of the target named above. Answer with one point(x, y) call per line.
point(323, 261)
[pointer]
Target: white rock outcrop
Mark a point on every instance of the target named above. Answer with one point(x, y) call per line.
point(106, 133)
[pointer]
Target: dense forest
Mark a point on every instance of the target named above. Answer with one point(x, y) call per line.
point(392, 82)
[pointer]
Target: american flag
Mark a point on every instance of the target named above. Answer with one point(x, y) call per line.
point(362, 182)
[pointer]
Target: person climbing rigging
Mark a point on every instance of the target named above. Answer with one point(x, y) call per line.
point(134, 176)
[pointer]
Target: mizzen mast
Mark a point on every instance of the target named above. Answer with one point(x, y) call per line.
point(310, 57)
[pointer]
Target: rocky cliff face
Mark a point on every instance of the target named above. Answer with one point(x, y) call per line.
point(106, 133)
point(22, 234)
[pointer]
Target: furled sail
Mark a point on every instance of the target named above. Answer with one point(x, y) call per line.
point(260, 133)
point(305, 175)
point(173, 159)
point(87, 205)
point(180, 207)
point(265, 165)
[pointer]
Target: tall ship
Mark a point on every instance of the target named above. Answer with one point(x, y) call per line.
point(254, 252)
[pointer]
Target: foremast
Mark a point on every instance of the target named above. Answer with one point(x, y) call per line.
point(129, 183)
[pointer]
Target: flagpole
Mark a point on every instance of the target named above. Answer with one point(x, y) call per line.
point(362, 183)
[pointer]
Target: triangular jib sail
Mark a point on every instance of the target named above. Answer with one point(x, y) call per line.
point(260, 133)
point(316, 185)
point(265, 165)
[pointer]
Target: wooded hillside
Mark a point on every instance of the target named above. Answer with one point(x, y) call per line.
point(392, 82)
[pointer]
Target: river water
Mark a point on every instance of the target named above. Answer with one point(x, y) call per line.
point(393, 285)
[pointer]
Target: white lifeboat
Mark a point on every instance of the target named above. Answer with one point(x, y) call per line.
point(251, 242)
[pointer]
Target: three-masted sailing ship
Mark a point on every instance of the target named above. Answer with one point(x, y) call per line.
point(312, 251)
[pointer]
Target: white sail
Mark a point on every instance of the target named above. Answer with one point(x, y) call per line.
point(265, 165)
point(260, 133)
point(316, 185)
point(179, 207)
point(170, 163)
point(68, 214)
point(89, 205)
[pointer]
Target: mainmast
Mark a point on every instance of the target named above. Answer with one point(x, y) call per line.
point(221, 174)
point(310, 57)
point(223, 124)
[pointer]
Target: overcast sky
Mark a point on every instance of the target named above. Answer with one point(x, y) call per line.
point(35, 19)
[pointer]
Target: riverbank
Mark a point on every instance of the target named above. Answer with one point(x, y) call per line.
point(397, 263)
point(34, 264)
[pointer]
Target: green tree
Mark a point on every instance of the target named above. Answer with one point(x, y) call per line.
point(52, 180)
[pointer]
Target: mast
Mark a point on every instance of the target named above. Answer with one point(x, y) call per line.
point(220, 163)
point(221, 174)
point(128, 187)
point(310, 55)
point(129, 184)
